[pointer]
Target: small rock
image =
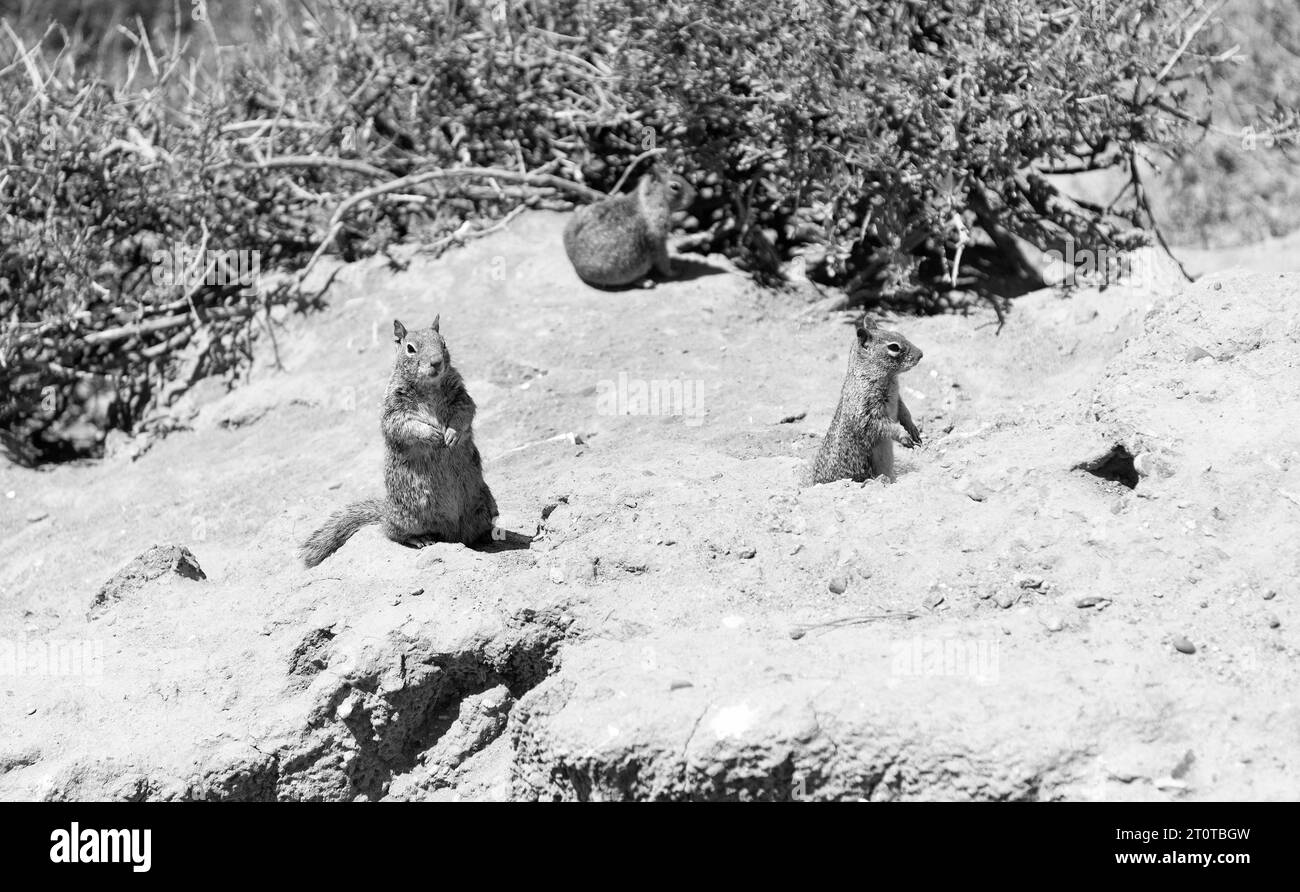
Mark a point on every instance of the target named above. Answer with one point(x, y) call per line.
point(748, 552)
point(791, 419)
point(1270, 594)
point(678, 684)
point(335, 485)
point(1148, 464)
point(839, 584)
point(797, 633)
point(1184, 765)
point(159, 560)
point(1005, 599)
point(417, 593)
point(1029, 581)
point(932, 600)
point(1054, 623)
point(557, 576)
point(37, 516)
point(1195, 354)
point(1182, 645)
point(1089, 601)
point(971, 490)
point(1273, 621)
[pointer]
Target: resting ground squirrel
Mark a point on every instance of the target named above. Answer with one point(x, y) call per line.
point(433, 473)
point(870, 416)
point(618, 240)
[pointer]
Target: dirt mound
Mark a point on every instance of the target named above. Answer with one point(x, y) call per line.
point(686, 622)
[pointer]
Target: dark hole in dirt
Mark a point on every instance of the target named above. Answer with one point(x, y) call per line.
point(1116, 465)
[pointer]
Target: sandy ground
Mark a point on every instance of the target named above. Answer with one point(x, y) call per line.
point(686, 622)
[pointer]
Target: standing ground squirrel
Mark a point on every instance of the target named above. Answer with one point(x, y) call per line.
point(618, 240)
point(870, 416)
point(433, 473)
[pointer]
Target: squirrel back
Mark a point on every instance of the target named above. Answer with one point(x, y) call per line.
point(618, 240)
point(870, 416)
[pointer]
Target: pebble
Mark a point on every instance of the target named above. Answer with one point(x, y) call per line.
point(417, 593)
point(1029, 581)
point(838, 584)
point(932, 600)
point(1270, 594)
point(1273, 621)
point(1195, 354)
point(678, 684)
point(557, 575)
point(1005, 599)
point(37, 516)
point(748, 552)
point(797, 633)
point(1182, 645)
point(971, 490)
point(791, 419)
point(1089, 601)
point(1054, 623)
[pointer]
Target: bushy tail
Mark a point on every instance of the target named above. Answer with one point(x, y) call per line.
point(339, 528)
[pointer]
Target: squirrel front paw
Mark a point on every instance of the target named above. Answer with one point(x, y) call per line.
point(451, 436)
point(907, 440)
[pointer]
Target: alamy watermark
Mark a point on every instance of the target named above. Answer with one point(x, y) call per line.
point(54, 658)
point(190, 267)
point(637, 396)
point(975, 659)
point(1104, 265)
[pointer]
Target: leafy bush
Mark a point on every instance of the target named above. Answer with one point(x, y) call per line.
point(895, 148)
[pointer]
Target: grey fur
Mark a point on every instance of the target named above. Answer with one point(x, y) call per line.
point(870, 416)
point(618, 240)
point(433, 473)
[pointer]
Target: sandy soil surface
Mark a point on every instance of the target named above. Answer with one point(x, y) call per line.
point(686, 623)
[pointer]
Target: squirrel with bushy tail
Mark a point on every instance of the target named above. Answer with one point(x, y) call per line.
point(433, 474)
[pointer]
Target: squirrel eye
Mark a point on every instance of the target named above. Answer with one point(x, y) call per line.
point(410, 348)
point(894, 348)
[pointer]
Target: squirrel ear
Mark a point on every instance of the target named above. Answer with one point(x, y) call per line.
point(865, 327)
point(436, 320)
point(399, 330)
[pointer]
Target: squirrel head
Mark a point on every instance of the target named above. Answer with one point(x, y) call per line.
point(676, 192)
point(422, 355)
point(882, 347)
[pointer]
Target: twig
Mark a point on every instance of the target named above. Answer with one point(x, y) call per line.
point(618, 187)
point(360, 167)
point(800, 629)
point(402, 184)
point(1187, 41)
point(122, 332)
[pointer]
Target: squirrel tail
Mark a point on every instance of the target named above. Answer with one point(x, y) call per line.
point(339, 528)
